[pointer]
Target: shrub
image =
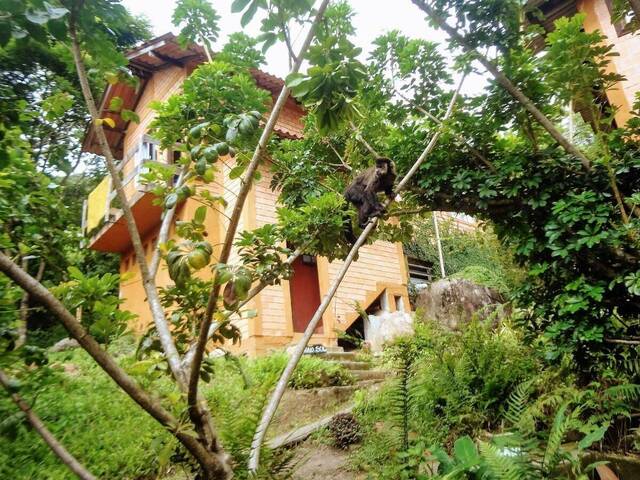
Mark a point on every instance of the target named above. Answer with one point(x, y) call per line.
point(477, 255)
point(483, 276)
point(455, 383)
point(461, 380)
point(311, 372)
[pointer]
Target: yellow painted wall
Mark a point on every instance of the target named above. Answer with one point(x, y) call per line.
point(627, 62)
point(97, 204)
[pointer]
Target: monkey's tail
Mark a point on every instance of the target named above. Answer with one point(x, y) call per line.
point(348, 228)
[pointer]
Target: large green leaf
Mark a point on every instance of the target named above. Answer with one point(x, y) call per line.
point(239, 5)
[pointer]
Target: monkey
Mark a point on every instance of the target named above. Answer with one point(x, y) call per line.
point(363, 193)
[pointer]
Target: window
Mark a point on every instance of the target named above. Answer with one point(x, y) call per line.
point(623, 26)
point(148, 151)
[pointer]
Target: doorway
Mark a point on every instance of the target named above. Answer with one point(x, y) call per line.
point(305, 292)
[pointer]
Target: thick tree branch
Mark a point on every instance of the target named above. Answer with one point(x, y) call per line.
point(152, 406)
point(217, 462)
point(246, 184)
point(157, 312)
point(502, 79)
point(63, 454)
point(24, 302)
point(276, 396)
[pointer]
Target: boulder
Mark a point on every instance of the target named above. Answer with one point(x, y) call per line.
point(384, 327)
point(454, 302)
point(64, 344)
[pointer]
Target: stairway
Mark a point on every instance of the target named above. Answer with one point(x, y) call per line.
point(360, 369)
point(365, 378)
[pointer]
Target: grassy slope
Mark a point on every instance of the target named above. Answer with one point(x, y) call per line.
point(112, 436)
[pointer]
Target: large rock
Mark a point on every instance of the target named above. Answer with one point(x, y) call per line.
point(383, 327)
point(454, 302)
point(64, 344)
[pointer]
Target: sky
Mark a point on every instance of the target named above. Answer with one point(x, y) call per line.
point(373, 18)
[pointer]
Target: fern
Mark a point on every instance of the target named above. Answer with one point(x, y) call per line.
point(561, 424)
point(500, 466)
point(517, 403)
point(400, 402)
point(626, 391)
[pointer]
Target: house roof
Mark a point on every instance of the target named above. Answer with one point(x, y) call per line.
point(551, 11)
point(156, 54)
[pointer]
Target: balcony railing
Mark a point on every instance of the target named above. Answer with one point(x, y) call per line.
point(102, 205)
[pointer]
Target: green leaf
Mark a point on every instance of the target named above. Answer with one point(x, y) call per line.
point(295, 79)
point(130, 116)
point(232, 134)
point(39, 17)
point(115, 105)
point(75, 273)
point(465, 451)
point(239, 5)
point(249, 14)
point(55, 12)
point(200, 215)
point(592, 437)
point(236, 172)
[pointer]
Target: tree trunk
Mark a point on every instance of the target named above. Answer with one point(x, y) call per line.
point(210, 461)
point(157, 312)
point(24, 303)
point(247, 180)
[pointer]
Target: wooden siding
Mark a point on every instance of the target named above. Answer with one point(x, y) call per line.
point(380, 262)
point(626, 63)
point(275, 310)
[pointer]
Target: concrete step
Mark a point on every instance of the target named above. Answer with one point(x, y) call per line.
point(354, 365)
point(369, 374)
point(339, 356)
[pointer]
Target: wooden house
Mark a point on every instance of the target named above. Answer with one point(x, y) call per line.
point(626, 45)
point(379, 277)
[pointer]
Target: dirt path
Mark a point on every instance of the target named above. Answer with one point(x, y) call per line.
point(322, 462)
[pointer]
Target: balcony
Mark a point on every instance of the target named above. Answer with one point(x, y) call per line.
point(103, 222)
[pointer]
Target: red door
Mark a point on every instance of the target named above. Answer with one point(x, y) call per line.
point(305, 292)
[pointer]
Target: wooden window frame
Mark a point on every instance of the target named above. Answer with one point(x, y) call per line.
point(622, 28)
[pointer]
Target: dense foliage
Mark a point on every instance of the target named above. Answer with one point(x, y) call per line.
point(102, 427)
point(487, 384)
point(570, 216)
point(475, 255)
point(574, 229)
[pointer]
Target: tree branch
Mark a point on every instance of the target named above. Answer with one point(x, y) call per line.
point(361, 139)
point(246, 183)
point(205, 425)
point(63, 454)
point(502, 79)
point(474, 151)
point(157, 312)
point(151, 405)
point(276, 396)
